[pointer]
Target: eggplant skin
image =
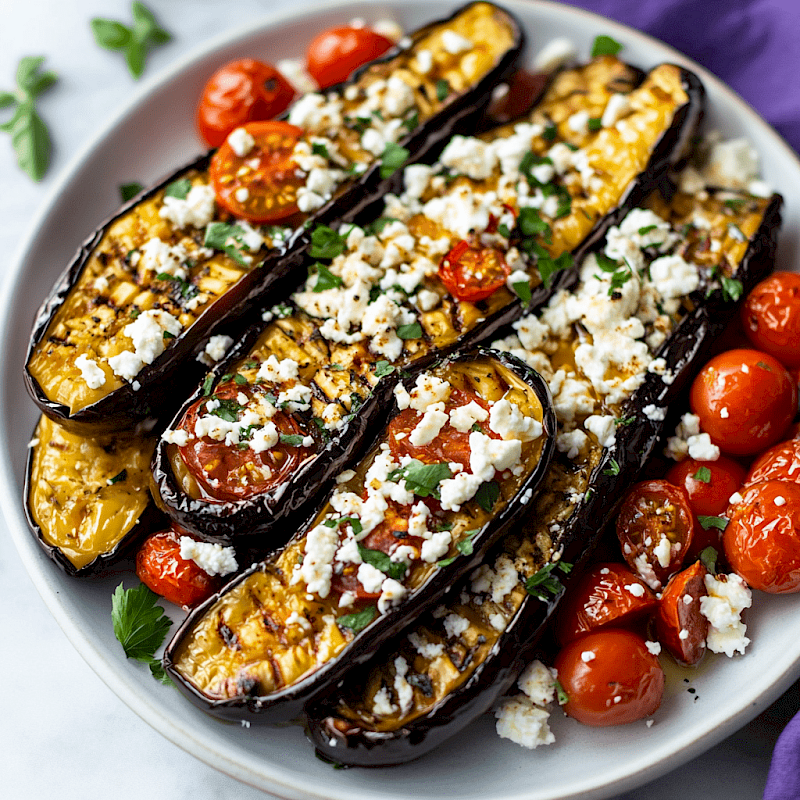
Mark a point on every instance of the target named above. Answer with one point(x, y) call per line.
point(286, 703)
point(690, 345)
point(86, 499)
point(124, 407)
point(258, 521)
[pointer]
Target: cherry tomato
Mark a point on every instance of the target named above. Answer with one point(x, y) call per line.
point(771, 317)
point(524, 89)
point(610, 677)
point(262, 185)
point(779, 463)
point(762, 539)
point(449, 445)
point(745, 400)
point(608, 594)
point(335, 53)
point(242, 91)
point(680, 626)
point(230, 472)
point(473, 273)
point(655, 527)
point(160, 567)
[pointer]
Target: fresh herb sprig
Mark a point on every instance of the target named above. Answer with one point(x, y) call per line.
point(135, 41)
point(544, 584)
point(29, 135)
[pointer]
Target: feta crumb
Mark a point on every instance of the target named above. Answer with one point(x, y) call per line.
point(653, 647)
point(90, 371)
point(519, 720)
point(555, 53)
point(241, 142)
point(587, 656)
point(728, 596)
point(212, 558)
point(780, 500)
point(538, 682)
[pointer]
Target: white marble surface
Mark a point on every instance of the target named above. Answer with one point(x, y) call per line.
point(62, 732)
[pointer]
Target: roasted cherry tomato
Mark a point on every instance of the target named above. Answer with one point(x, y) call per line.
point(473, 273)
point(655, 527)
point(779, 463)
point(160, 567)
point(522, 90)
point(449, 445)
point(762, 539)
point(771, 317)
point(610, 677)
point(242, 91)
point(235, 472)
point(745, 400)
point(337, 52)
point(608, 594)
point(262, 184)
point(680, 626)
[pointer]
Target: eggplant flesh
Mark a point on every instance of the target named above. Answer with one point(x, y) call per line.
point(126, 320)
point(335, 336)
point(87, 498)
point(375, 553)
point(455, 679)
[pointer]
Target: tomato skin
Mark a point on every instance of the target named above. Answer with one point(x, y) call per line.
point(600, 599)
point(336, 53)
point(779, 463)
point(745, 399)
point(708, 499)
point(675, 615)
point(771, 317)
point(641, 519)
point(524, 89)
point(472, 273)
point(242, 91)
point(160, 567)
point(762, 539)
point(622, 667)
point(268, 172)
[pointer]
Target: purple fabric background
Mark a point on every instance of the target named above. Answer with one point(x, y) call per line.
point(752, 45)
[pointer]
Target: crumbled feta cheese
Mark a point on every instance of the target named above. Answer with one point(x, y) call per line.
point(464, 417)
point(212, 558)
point(179, 437)
point(587, 656)
point(538, 682)
point(90, 371)
point(507, 419)
point(428, 428)
point(519, 720)
point(196, 209)
point(241, 142)
point(653, 647)
point(728, 596)
point(455, 625)
point(555, 53)
point(454, 43)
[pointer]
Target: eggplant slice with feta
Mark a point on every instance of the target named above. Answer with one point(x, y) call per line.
point(125, 322)
point(458, 661)
point(459, 456)
point(86, 498)
point(493, 226)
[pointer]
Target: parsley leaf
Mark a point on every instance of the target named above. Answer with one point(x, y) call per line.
point(545, 263)
point(708, 556)
point(292, 439)
point(422, 479)
point(394, 156)
point(732, 289)
point(135, 41)
point(712, 522)
point(531, 223)
point(487, 495)
point(227, 410)
point(544, 583)
point(412, 331)
point(381, 561)
point(319, 149)
point(376, 226)
point(383, 368)
point(522, 289)
point(29, 135)
point(127, 191)
point(464, 546)
point(563, 697)
point(550, 132)
point(358, 620)
point(621, 422)
point(219, 235)
point(140, 625)
point(325, 278)
point(605, 46)
point(613, 467)
point(208, 384)
point(179, 189)
point(594, 124)
point(442, 90)
point(326, 243)
point(703, 475)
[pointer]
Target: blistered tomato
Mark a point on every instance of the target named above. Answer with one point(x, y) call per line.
point(610, 678)
point(680, 625)
point(771, 317)
point(337, 52)
point(762, 538)
point(779, 463)
point(745, 400)
point(473, 273)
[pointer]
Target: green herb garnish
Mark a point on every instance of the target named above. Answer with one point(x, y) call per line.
point(720, 523)
point(563, 697)
point(127, 191)
point(621, 422)
point(358, 620)
point(422, 479)
point(219, 235)
point(381, 561)
point(703, 475)
point(383, 368)
point(442, 89)
point(120, 476)
point(708, 557)
point(179, 189)
point(594, 124)
point(465, 547)
point(227, 410)
point(605, 46)
point(544, 583)
point(393, 158)
point(326, 243)
point(732, 289)
point(412, 331)
point(325, 278)
point(292, 439)
point(319, 149)
point(487, 495)
point(613, 467)
point(208, 383)
point(522, 289)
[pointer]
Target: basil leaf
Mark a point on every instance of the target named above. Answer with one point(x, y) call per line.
point(412, 331)
point(358, 620)
point(422, 479)
point(605, 46)
point(379, 560)
point(179, 189)
point(392, 159)
point(487, 495)
point(720, 523)
point(128, 191)
point(325, 279)
point(703, 475)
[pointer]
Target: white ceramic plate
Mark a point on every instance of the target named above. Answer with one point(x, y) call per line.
point(477, 764)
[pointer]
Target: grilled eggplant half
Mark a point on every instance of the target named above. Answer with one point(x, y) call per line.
point(454, 468)
point(87, 498)
point(127, 318)
point(496, 219)
point(431, 682)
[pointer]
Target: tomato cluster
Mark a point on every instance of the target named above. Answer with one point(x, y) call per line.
point(746, 400)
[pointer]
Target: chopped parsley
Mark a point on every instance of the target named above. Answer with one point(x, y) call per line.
point(128, 191)
point(531, 224)
point(544, 583)
point(381, 561)
point(319, 149)
point(442, 89)
point(292, 439)
point(227, 410)
point(487, 495)
point(465, 547)
point(720, 523)
point(613, 467)
point(422, 479)
point(522, 289)
point(605, 46)
point(412, 331)
point(358, 620)
point(594, 124)
point(208, 383)
point(393, 157)
point(563, 697)
point(326, 243)
point(325, 278)
point(708, 557)
point(703, 475)
point(224, 236)
point(383, 368)
point(120, 476)
point(179, 189)
point(621, 422)
point(732, 289)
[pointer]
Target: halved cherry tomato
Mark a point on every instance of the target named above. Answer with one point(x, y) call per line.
point(608, 594)
point(473, 273)
point(655, 527)
point(779, 463)
point(524, 89)
point(260, 186)
point(771, 317)
point(762, 539)
point(242, 91)
point(610, 677)
point(680, 626)
point(335, 53)
point(449, 445)
point(160, 567)
point(236, 472)
point(745, 399)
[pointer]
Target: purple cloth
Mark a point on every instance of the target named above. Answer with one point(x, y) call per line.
point(752, 45)
point(783, 781)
